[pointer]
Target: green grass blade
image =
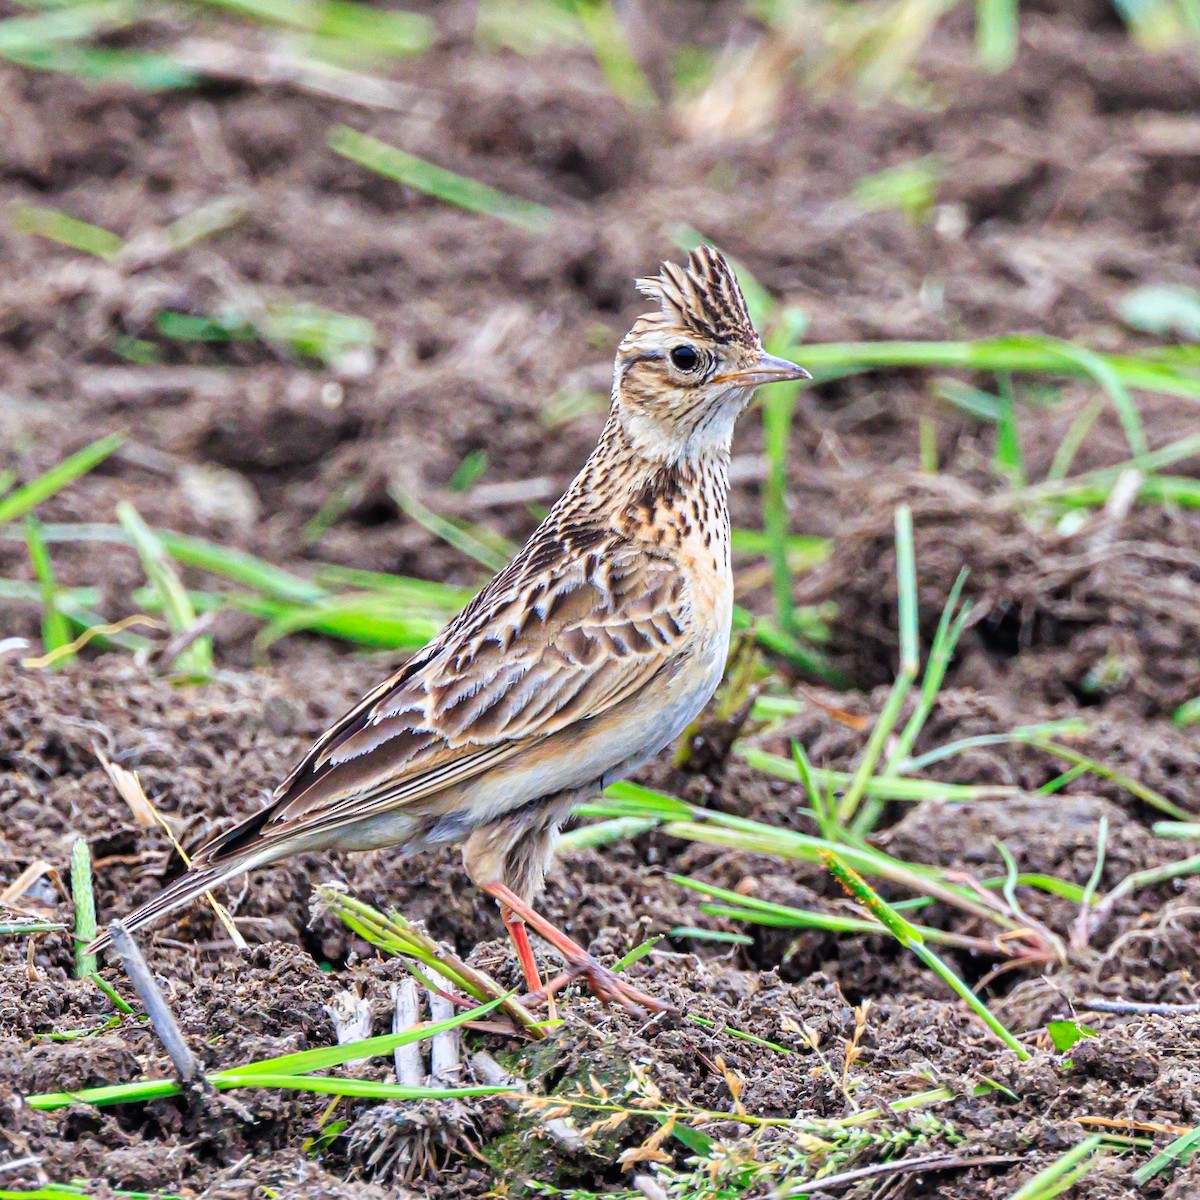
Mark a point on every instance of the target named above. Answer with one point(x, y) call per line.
point(492, 551)
point(1038, 355)
point(791, 649)
point(436, 181)
point(996, 32)
point(605, 35)
point(85, 907)
point(1184, 831)
point(56, 629)
point(1103, 372)
point(1079, 428)
point(885, 787)
point(273, 1072)
point(368, 1089)
point(1063, 1172)
point(59, 227)
point(351, 28)
point(906, 586)
point(239, 566)
point(945, 639)
point(195, 661)
point(909, 937)
point(16, 504)
point(324, 1057)
point(778, 409)
point(637, 953)
point(784, 916)
point(367, 620)
point(604, 833)
point(1176, 1154)
point(1134, 787)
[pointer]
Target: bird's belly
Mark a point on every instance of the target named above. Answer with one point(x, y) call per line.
point(657, 724)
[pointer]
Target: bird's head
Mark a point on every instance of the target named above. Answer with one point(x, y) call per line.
point(685, 372)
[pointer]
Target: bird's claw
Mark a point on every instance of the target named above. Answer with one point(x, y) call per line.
point(605, 985)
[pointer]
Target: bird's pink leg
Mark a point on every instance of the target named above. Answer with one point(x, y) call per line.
point(603, 983)
point(520, 940)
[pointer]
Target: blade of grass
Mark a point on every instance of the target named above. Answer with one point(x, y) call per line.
point(1079, 428)
point(492, 551)
point(395, 935)
point(784, 916)
point(195, 661)
point(694, 933)
point(604, 833)
point(1081, 931)
point(85, 908)
point(996, 33)
point(906, 584)
point(1009, 460)
point(1171, 1156)
point(757, 838)
point(1146, 794)
point(436, 181)
point(20, 35)
point(950, 627)
point(605, 35)
point(16, 504)
point(1022, 734)
point(825, 813)
point(1036, 355)
point(56, 1191)
point(739, 1034)
point(59, 227)
point(56, 629)
point(791, 649)
point(886, 787)
point(1148, 878)
point(908, 936)
point(1064, 1172)
point(364, 619)
point(272, 1072)
point(637, 953)
point(350, 27)
point(1180, 830)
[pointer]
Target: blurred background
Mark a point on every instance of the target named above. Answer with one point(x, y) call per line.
point(348, 279)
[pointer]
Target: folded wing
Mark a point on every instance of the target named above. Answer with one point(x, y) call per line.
point(534, 653)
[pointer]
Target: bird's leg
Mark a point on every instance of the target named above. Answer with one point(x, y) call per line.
point(603, 983)
point(520, 940)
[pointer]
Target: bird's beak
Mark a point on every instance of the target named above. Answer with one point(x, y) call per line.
point(768, 369)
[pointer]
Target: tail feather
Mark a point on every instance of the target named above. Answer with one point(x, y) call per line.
point(186, 888)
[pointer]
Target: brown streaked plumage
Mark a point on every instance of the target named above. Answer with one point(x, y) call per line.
point(594, 648)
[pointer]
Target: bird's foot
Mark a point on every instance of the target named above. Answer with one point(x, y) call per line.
point(605, 985)
point(602, 982)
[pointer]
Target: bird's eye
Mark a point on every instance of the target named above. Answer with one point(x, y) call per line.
point(685, 358)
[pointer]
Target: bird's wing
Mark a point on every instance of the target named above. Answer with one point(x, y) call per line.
point(537, 651)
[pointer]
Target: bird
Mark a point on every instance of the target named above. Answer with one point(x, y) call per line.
point(596, 646)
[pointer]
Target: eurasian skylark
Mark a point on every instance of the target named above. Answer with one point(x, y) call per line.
point(591, 651)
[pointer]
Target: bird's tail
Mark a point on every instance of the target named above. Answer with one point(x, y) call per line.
point(195, 882)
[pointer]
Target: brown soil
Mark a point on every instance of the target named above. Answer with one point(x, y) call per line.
point(1062, 192)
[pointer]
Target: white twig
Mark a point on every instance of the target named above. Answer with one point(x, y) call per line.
point(406, 997)
point(445, 1050)
point(351, 1016)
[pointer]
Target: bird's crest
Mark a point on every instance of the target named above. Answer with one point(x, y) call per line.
point(703, 298)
